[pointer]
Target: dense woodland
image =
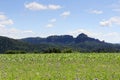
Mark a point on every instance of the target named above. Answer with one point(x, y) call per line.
point(56, 44)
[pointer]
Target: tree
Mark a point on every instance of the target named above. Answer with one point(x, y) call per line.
point(67, 51)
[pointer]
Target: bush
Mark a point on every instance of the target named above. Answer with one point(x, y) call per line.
point(67, 51)
point(14, 52)
point(52, 50)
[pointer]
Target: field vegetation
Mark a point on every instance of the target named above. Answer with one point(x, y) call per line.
point(69, 66)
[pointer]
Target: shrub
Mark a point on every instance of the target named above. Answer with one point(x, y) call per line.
point(67, 51)
point(52, 50)
point(14, 52)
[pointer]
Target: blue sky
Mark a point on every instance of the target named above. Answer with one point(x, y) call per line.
point(41, 18)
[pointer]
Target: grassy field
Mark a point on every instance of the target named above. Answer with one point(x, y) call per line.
point(77, 66)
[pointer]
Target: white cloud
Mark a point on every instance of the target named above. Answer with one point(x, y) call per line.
point(54, 7)
point(35, 6)
point(66, 14)
point(12, 32)
point(111, 21)
point(113, 37)
point(112, 34)
point(2, 17)
point(50, 25)
point(105, 23)
point(53, 20)
point(28, 31)
point(96, 11)
point(4, 21)
point(38, 6)
point(15, 33)
point(1, 25)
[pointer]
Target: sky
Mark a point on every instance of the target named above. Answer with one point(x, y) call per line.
point(99, 19)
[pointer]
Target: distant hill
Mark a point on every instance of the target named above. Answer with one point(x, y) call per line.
point(83, 38)
point(13, 44)
point(63, 39)
point(82, 43)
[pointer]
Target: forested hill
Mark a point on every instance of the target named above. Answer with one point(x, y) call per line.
point(7, 44)
point(82, 43)
point(63, 39)
point(10, 44)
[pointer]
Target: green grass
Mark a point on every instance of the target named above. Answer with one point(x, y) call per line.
point(76, 66)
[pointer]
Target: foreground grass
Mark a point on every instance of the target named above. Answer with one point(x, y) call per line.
point(60, 66)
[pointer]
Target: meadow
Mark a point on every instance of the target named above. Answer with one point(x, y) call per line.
point(69, 66)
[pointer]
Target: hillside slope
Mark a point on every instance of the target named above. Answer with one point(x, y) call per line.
point(81, 43)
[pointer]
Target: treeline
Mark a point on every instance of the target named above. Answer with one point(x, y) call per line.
point(15, 52)
point(49, 50)
point(57, 50)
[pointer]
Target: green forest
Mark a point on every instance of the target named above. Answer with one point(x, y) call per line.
point(57, 44)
